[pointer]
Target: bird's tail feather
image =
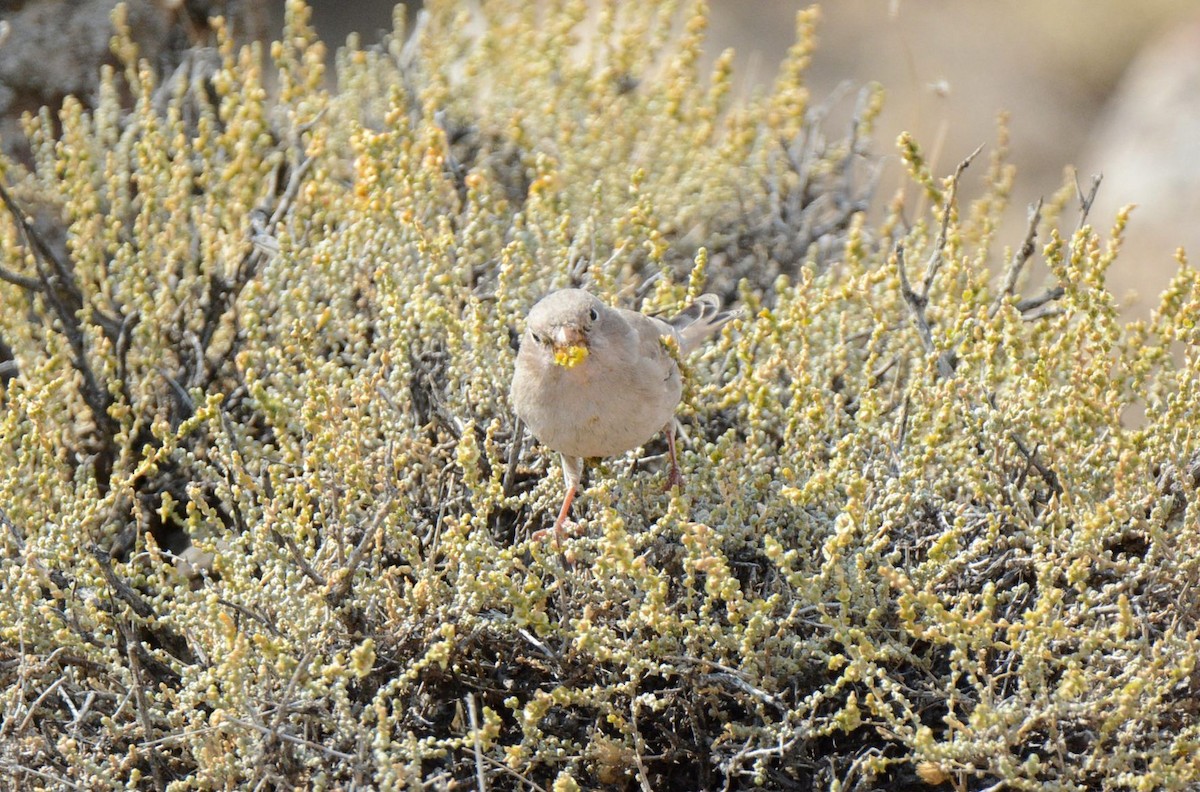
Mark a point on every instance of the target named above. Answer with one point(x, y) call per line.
point(700, 320)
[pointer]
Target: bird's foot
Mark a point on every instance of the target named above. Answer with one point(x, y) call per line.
point(674, 479)
point(567, 529)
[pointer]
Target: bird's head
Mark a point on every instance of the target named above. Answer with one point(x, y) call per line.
point(562, 323)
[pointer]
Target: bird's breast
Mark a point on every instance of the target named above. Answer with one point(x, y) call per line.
point(597, 410)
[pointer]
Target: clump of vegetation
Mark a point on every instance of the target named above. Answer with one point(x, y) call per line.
point(919, 543)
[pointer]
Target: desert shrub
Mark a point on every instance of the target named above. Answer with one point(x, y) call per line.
point(270, 313)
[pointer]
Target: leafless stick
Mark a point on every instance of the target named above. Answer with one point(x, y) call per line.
point(1048, 475)
point(1041, 313)
point(24, 281)
point(732, 676)
point(1020, 258)
point(298, 557)
point(918, 302)
point(473, 718)
point(291, 738)
point(1086, 201)
point(53, 686)
point(935, 258)
point(1020, 483)
point(59, 781)
point(1037, 302)
point(643, 779)
point(132, 646)
point(250, 614)
point(902, 433)
point(514, 456)
point(223, 293)
point(916, 306)
point(884, 368)
point(120, 589)
point(13, 531)
point(545, 650)
point(44, 255)
point(66, 300)
point(293, 188)
point(80, 713)
point(342, 587)
point(282, 710)
point(497, 765)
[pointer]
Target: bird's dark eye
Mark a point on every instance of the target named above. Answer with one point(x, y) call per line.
point(594, 314)
point(538, 338)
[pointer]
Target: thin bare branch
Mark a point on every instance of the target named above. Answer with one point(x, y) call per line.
point(916, 306)
point(132, 647)
point(291, 738)
point(1020, 258)
point(1086, 201)
point(1037, 302)
point(937, 256)
point(342, 587)
point(57, 286)
point(514, 456)
point(473, 720)
point(643, 778)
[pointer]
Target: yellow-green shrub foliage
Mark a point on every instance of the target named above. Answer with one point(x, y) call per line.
point(919, 541)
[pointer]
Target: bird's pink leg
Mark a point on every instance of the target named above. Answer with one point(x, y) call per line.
point(564, 512)
point(572, 476)
point(674, 477)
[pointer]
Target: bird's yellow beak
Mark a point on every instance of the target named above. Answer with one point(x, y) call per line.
point(570, 355)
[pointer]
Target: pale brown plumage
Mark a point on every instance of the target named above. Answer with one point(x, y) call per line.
point(596, 381)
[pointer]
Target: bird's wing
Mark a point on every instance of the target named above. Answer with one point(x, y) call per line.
point(650, 331)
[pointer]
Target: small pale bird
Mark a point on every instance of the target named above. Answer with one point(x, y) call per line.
point(596, 381)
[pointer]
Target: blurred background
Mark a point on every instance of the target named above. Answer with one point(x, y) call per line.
point(1104, 86)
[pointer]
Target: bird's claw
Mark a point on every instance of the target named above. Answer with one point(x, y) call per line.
point(568, 529)
point(674, 479)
